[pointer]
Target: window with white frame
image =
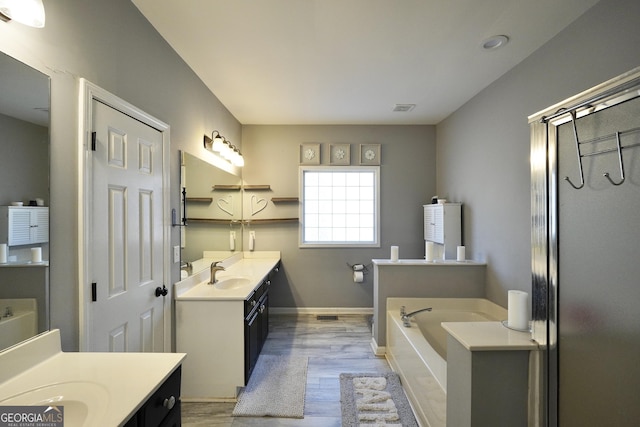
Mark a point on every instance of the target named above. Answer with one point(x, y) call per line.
point(340, 206)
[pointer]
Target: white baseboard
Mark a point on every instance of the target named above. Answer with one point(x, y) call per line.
point(321, 310)
point(379, 351)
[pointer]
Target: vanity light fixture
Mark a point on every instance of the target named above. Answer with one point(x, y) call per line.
point(27, 12)
point(219, 145)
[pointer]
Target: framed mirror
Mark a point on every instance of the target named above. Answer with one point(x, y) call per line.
point(213, 199)
point(24, 201)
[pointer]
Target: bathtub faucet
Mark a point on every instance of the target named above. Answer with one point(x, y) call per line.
point(214, 269)
point(407, 316)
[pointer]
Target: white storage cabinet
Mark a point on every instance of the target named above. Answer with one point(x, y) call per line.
point(443, 225)
point(24, 225)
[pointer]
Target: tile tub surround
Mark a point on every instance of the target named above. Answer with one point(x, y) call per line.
point(40, 362)
point(332, 346)
point(419, 278)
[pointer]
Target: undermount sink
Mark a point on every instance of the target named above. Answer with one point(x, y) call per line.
point(232, 282)
point(84, 403)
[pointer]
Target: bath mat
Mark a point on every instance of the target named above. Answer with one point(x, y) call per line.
point(276, 388)
point(374, 400)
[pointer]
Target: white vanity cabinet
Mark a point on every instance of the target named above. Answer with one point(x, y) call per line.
point(223, 329)
point(443, 225)
point(24, 225)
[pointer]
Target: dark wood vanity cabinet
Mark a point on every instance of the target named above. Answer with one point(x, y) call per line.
point(256, 326)
point(162, 409)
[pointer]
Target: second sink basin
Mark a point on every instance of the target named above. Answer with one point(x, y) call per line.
point(84, 403)
point(232, 282)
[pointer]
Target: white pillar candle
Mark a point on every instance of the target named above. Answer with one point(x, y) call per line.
point(394, 253)
point(460, 253)
point(518, 310)
point(3, 253)
point(428, 251)
point(36, 254)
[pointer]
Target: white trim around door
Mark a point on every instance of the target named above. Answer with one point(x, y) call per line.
point(87, 94)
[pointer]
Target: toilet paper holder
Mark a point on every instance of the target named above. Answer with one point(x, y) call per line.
point(359, 272)
point(358, 267)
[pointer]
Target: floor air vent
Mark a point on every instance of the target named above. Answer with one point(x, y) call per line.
point(326, 317)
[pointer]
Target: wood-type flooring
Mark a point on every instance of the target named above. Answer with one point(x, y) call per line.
point(332, 346)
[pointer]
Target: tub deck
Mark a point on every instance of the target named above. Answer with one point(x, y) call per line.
point(418, 353)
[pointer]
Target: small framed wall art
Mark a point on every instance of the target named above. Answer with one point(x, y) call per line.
point(369, 154)
point(310, 154)
point(340, 154)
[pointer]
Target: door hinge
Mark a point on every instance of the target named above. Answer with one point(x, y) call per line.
point(94, 292)
point(94, 136)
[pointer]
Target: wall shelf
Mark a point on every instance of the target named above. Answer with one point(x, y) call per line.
point(200, 199)
point(269, 220)
point(237, 221)
point(265, 187)
point(212, 221)
point(220, 187)
point(284, 199)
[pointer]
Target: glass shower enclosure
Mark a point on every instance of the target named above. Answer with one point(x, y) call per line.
point(585, 164)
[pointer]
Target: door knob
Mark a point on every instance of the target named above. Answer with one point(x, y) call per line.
point(162, 291)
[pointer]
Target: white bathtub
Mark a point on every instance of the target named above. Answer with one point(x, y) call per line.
point(22, 324)
point(419, 353)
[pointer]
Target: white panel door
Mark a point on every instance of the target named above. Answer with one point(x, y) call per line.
point(127, 250)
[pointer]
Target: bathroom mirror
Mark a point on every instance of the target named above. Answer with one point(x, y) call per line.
point(213, 209)
point(24, 178)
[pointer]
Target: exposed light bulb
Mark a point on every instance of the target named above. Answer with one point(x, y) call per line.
point(218, 144)
point(226, 152)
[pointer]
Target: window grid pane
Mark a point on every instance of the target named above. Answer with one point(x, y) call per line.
point(339, 207)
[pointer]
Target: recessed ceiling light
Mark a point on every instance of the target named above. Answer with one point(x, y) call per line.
point(495, 42)
point(403, 108)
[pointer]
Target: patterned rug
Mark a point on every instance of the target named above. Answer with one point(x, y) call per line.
point(374, 400)
point(276, 388)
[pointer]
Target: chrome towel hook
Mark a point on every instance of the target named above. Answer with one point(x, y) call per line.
point(606, 174)
point(575, 133)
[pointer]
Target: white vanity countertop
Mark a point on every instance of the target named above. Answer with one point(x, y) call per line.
point(251, 265)
point(489, 336)
point(423, 262)
point(128, 379)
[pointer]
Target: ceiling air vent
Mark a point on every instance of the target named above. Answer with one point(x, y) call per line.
point(403, 108)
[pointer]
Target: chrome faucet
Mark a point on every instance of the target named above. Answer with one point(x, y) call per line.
point(214, 269)
point(186, 266)
point(406, 317)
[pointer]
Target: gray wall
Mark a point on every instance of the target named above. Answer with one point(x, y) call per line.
point(321, 277)
point(483, 148)
point(24, 151)
point(112, 45)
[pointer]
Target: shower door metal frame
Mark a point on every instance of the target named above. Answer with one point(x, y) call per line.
point(544, 227)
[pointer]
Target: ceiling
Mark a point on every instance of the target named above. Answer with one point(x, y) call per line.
point(25, 92)
point(352, 61)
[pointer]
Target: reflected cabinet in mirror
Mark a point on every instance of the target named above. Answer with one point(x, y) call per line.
point(24, 201)
point(213, 199)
